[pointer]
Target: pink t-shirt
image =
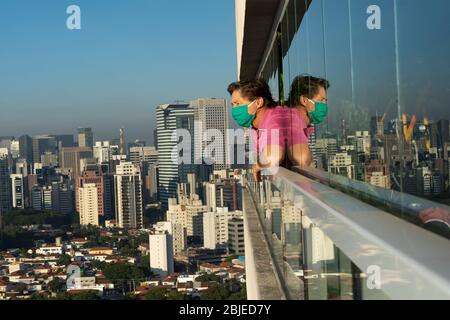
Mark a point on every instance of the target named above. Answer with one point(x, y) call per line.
point(281, 126)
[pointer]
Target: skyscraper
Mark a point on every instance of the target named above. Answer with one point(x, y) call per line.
point(90, 178)
point(161, 248)
point(5, 187)
point(64, 141)
point(62, 197)
point(26, 148)
point(108, 196)
point(215, 228)
point(377, 127)
point(17, 190)
point(212, 114)
point(36, 198)
point(102, 151)
point(85, 137)
point(123, 143)
point(138, 155)
point(236, 235)
point(70, 159)
point(128, 196)
point(146, 158)
point(42, 144)
point(88, 204)
point(172, 169)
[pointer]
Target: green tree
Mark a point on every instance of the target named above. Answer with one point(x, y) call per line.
point(230, 259)
point(122, 274)
point(116, 272)
point(38, 296)
point(99, 265)
point(156, 294)
point(89, 295)
point(215, 292)
point(145, 261)
point(241, 295)
point(56, 285)
point(136, 274)
point(64, 260)
point(208, 278)
point(175, 295)
point(62, 296)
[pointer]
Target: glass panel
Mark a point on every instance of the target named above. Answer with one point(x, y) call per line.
point(311, 266)
point(387, 124)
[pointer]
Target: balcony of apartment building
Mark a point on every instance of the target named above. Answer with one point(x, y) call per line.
point(311, 234)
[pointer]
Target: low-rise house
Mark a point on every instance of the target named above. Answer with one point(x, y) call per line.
point(9, 258)
point(169, 281)
point(185, 287)
point(186, 278)
point(131, 260)
point(153, 282)
point(27, 279)
point(84, 283)
point(35, 286)
point(43, 270)
point(41, 259)
point(16, 266)
point(96, 257)
point(235, 273)
point(4, 285)
point(201, 286)
point(15, 276)
point(47, 250)
point(101, 250)
point(61, 275)
point(79, 242)
point(226, 265)
point(144, 249)
point(116, 259)
point(110, 223)
point(141, 290)
point(107, 285)
point(210, 268)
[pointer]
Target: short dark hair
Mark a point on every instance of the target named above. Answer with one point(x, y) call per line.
point(306, 85)
point(253, 90)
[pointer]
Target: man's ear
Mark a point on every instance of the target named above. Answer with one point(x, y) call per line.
point(260, 103)
point(303, 101)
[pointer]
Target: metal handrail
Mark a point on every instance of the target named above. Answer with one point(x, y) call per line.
point(408, 207)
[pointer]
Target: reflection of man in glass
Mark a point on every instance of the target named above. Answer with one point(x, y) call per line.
point(309, 98)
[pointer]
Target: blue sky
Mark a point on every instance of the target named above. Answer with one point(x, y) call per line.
point(132, 55)
point(129, 56)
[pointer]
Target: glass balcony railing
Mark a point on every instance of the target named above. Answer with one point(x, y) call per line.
point(326, 244)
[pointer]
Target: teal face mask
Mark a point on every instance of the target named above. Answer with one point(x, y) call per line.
point(242, 116)
point(320, 112)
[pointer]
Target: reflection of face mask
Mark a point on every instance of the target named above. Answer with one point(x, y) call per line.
point(320, 112)
point(242, 116)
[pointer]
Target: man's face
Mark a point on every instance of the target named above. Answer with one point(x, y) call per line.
point(237, 99)
point(321, 96)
